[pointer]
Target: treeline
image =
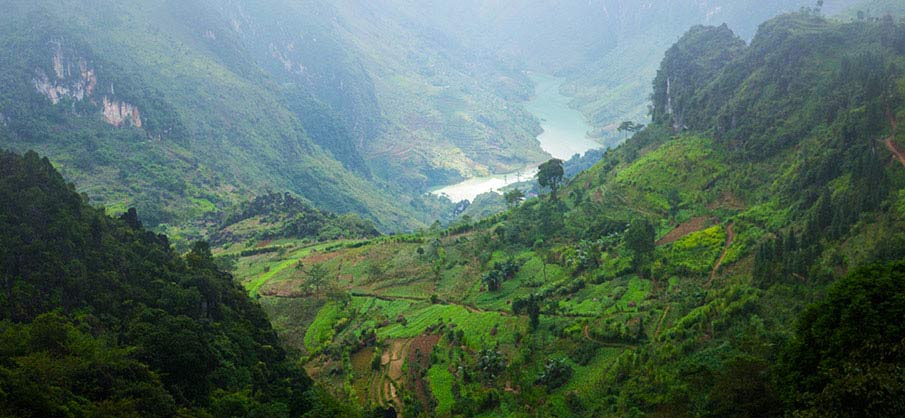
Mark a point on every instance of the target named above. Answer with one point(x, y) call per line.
point(101, 318)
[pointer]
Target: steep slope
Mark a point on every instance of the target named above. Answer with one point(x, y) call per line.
point(277, 216)
point(451, 106)
point(182, 109)
point(666, 274)
point(178, 110)
point(608, 49)
point(613, 86)
point(101, 318)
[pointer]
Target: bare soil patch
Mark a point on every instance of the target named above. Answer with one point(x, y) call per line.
point(685, 228)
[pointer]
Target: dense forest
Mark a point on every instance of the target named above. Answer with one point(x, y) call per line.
point(101, 318)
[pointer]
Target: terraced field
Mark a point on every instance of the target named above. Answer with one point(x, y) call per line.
point(421, 324)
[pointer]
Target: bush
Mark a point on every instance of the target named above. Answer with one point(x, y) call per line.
point(555, 374)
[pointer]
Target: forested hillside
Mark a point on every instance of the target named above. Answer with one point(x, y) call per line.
point(101, 318)
point(184, 109)
point(690, 272)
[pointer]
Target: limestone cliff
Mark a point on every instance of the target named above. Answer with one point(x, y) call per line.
point(73, 78)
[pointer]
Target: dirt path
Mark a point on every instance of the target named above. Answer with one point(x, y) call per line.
point(730, 236)
point(890, 140)
point(660, 322)
point(469, 308)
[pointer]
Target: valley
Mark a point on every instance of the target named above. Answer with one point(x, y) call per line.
point(280, 208)
point(565, 133)
point(661, 251)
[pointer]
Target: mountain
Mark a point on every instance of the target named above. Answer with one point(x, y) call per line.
point(608, 50)
point(101, 318)
point(183, 109)
point(166, 108)
point(688, 273)
point(613, 86)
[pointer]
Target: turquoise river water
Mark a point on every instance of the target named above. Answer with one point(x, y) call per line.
point(565, 134)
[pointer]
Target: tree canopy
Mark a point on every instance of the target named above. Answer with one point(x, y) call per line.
point(550, 174)
point(101, 318)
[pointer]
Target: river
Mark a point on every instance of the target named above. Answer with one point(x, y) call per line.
point(565, 134)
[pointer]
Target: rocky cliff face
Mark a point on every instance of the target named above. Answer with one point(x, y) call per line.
point(119, 113)
point(73, 78)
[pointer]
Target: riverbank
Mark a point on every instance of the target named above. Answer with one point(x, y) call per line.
point(565, 134)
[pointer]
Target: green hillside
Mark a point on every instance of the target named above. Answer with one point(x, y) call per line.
point(184, 109)
point(673, 278)
point(101, 318)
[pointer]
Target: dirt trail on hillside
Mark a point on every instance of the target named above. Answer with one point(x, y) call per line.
point(730, 236)
point(660, 322)
point(890, 140)
point(385, 386)
point(469, 308)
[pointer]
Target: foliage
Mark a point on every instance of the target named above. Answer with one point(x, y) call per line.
point(500, 272)
point(846, 357)
point(277, 216)
point(550, 174)
point(779, 153)
point(555, 374)
point(689, 64)
point(490, 365)
point(514, 197)
point(101, 316)
point(639, 238)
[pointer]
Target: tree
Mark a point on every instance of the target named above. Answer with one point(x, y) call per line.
point(629, 126)
point(492, 280)
point(639, 238)
point(317, 277)
point(556, 373)
point(490, 365)
point(542, 253)
point(847, 354)
point(550, 174)
point(531, 307)
point(513, 197)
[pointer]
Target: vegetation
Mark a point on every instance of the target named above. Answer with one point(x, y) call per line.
point(739, 256)
point(219, 111)
point(666, 279)
point(550, 174)
point(101, 317)
point(846, 356)
point(275, 216)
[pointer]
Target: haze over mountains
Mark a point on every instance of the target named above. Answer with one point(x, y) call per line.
point(186, 108)
point(252, 226)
